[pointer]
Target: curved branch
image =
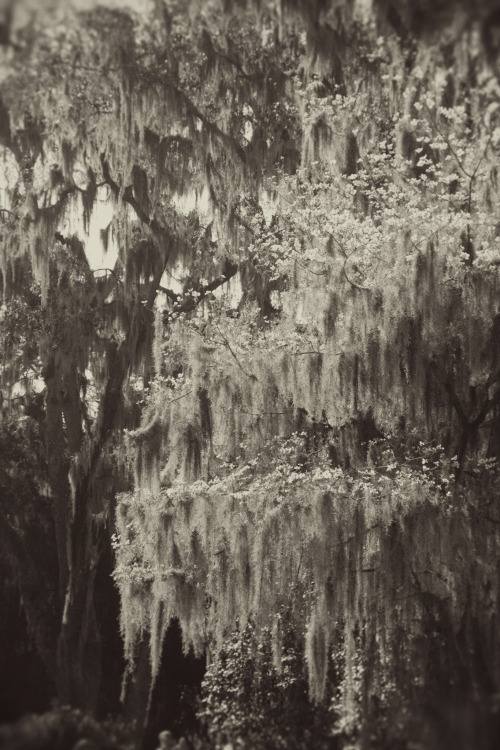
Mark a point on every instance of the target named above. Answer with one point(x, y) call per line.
point(353, 283)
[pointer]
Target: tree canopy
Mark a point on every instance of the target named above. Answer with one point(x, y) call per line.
point(250, 326)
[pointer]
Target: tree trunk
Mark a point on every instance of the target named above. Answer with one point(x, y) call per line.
point(79, 644)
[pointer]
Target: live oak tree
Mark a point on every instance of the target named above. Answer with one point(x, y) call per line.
point(286, 388)
point(84, 95)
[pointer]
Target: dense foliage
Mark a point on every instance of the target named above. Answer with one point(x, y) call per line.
point(246, 699)
point(250, 320)
point(63, 728)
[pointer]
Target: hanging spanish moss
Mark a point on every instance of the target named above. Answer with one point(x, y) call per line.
point(249, 262)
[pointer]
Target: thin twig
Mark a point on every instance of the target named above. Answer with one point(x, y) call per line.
point(226, 342)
